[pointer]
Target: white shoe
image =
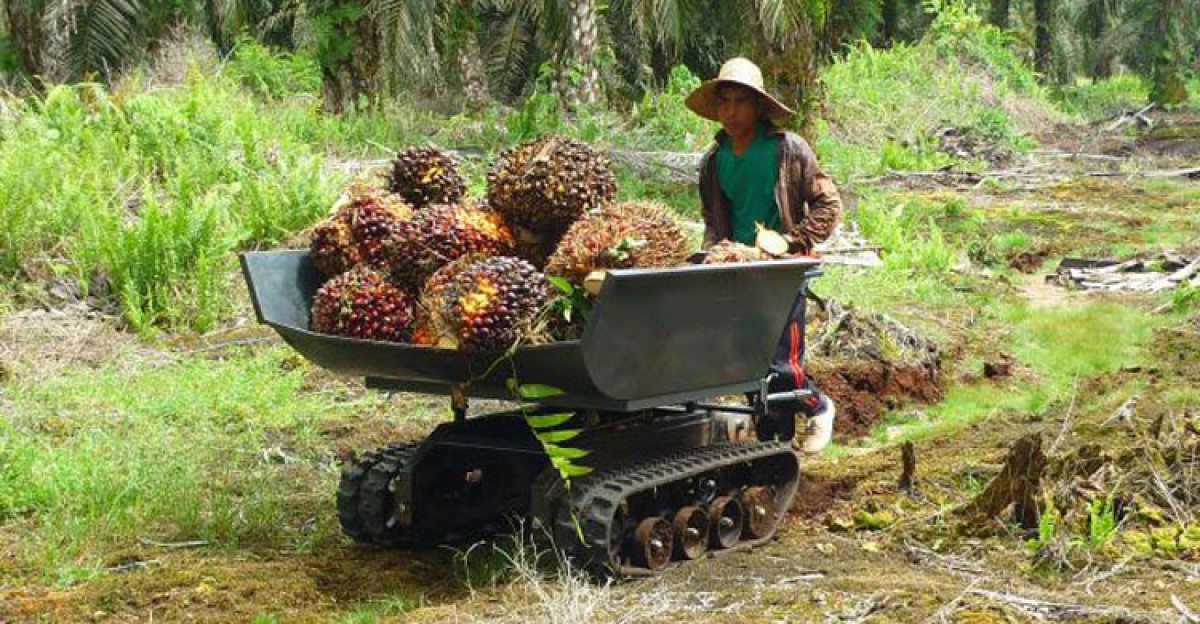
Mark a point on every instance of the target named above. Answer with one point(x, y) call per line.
point(819, 431)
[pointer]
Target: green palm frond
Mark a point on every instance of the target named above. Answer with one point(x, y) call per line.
point(95, 36)
point(508, 51)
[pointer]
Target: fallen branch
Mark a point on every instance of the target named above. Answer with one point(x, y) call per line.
point(1062, 609)
point(1107, 574)
point(1066, 426)
point(949, 608)
point(188, 544)
point(1128, 118)
point(1188, 615)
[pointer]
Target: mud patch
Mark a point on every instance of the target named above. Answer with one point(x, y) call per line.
point(864, 390)
point(816, 494)
point(869, 363)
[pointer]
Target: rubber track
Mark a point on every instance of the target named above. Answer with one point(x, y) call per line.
point(364, 503)
point(596, 497)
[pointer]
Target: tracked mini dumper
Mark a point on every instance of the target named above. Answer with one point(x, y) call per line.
point(659, 345)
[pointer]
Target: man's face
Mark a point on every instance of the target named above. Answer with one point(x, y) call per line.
point(738, 109)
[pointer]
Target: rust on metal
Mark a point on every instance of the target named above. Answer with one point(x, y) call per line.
point(761, 514)
point(725, 517)
point(653, 541)
point(691, 532)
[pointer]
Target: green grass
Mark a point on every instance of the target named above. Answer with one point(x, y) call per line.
point(1104, 98)
point(380, 610)
point(884, 105)
point(93, 461)
point(1060, 345)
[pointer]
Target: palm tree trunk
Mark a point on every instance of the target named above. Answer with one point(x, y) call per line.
point(471, 71)
point(1169, 88)
point(25, 27)
point(1043, 60)
point(352, 77)
point(998, 15)
point(891, 20)
point(583, 50)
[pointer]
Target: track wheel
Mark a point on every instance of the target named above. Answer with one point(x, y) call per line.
point(349, 495)
point(725, 517)
point(760, 511)
point(652, 542)
point(691, 532)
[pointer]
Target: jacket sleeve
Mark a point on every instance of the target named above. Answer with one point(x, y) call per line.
point(819, 193)
point(710, 204)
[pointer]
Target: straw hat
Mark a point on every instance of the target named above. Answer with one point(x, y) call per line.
point(741, 71)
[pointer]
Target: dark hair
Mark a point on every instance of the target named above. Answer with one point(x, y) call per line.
point(759, 100)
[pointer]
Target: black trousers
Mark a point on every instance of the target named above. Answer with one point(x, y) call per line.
point(787, 373)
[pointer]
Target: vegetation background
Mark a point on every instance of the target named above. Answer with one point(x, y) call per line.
point(143, 143)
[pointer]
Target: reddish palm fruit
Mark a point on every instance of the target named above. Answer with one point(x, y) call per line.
point(549, 182)
point(440, 234)
point(362, 218)
point(619, 236)
point(361, 303)
point(424, 176)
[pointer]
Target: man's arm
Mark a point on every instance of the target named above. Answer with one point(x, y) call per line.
point(715, 224)
point(818, 191)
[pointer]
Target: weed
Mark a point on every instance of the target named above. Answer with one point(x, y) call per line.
point(1102, 522)
point(1185, 297)
point(1104, 98)
point(98, 458)
point(380, 610)
point(272, 74)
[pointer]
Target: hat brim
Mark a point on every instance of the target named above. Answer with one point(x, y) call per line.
point(703, 100)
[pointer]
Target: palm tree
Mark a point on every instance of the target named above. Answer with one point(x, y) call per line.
point(583, 31)
point(1043, 56)
point(24, 24)
point(1167, 86)
point(998, 13)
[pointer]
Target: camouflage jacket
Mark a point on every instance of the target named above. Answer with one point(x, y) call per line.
point(808, 201)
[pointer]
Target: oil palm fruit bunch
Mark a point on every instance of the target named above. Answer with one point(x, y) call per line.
point(619, 236)
point(486, 305)
point(430, 327)
point(424, 176)
point(726, 252)
point(362, 303)
point(362, 218)
point(439, 234)
point(549, 182)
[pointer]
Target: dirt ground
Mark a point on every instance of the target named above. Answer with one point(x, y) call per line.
point(856, 548)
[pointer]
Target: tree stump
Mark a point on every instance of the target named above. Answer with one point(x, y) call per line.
point(908, 466)
point(1018, 485)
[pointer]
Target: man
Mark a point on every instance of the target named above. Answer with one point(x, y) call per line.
point(756, 174)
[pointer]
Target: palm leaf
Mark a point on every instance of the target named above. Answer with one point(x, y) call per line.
point(96, 36)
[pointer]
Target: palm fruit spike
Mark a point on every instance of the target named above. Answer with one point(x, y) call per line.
point(490, 305)
point(424, 176)
point(333, 249)
point(726, 252)
point(354, 232)
point(440, 234)
point(618, 236)
point(432, 326)
point(549, 182)
point(361, 303)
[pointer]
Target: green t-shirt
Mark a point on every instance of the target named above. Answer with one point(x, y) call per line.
point(748, 181)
